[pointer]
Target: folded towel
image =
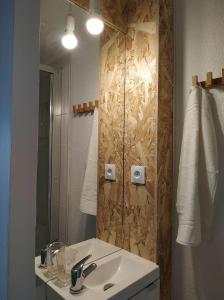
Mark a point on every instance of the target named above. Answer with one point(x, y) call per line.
point(198, 170)
point(88, 203)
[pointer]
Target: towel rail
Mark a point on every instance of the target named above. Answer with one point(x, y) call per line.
point(210, 81)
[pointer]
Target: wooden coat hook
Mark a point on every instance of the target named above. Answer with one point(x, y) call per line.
point(223, 76)
point(85, 107)
point(210, 81)
point(194, 80)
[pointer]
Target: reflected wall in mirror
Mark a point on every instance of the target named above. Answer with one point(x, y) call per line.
point(67, 78)
point(111, 144)
point(134, 90)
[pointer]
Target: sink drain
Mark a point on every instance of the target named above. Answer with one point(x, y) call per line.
point(108, 286)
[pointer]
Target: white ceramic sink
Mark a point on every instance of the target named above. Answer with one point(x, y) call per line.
point(124, 273)
point(95, 247)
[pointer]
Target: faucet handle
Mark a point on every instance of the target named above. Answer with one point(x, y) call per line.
point(81, 263)
point(77, 275)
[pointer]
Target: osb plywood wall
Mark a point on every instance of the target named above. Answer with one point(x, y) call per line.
point(141, 99)
point(165, 145)
point(148, 133)
point(112, 75)
point(136, 129)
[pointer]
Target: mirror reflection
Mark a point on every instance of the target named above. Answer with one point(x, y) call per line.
point(66, 209)
point(82, 67)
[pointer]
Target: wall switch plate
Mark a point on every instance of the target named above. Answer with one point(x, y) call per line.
point(138, 174)
point(110, 172)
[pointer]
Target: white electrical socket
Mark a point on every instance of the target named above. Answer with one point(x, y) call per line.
point(110, 172)
point(138, 174)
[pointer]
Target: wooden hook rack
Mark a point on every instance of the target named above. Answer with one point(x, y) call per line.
point(210, 81)
point(85, 107)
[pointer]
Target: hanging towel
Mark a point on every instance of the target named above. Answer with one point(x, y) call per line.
point(198, 170)
point(88, 203)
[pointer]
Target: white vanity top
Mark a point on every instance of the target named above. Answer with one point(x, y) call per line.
point(128, 273)
point(95, 247)
point(125, 272)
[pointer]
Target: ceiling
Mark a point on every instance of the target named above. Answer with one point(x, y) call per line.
point(52, 27)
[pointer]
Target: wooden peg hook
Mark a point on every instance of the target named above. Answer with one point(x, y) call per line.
point(209, 79)
point(75, 109)
point(194, 80)
point(222, 76)
point(85, 107)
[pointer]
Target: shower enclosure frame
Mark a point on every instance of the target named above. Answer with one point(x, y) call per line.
point(52, 73)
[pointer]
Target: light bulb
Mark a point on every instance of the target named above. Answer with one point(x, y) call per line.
point(69, 41)
point(95, 26)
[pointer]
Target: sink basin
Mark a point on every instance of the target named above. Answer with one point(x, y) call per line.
point(95, 247)
point(118, 276)
point(121, 275)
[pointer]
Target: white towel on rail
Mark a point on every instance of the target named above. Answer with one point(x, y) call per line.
point(88, 203)
point(198, 170)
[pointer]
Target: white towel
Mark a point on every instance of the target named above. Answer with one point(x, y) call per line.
point(198, 170)
point(88, 203)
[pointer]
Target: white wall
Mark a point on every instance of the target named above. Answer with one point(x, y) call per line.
point(84, 88)
point(25, 91)
point(6, 64)
point(80, 83)
point(199, 47)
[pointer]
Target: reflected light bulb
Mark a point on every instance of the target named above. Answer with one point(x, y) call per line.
point(95, 26)
point(69, 41)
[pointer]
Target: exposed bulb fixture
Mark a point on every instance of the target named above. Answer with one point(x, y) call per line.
point(69, 39)
point(94, 24)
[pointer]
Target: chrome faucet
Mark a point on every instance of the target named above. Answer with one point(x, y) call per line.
point(78, 275)
point(48, 252)
point(43, 257)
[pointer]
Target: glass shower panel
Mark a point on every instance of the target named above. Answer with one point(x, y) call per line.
point(44, 163)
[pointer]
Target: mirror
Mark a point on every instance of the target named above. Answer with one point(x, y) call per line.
point(68, 78)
